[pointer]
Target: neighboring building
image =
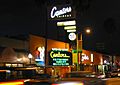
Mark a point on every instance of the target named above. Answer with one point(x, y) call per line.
point(13, 51)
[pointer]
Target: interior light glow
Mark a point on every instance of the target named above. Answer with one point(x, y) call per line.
point(91, 57)
point(30, 55)
point(8, 64)
point(101, 61)
point(70, 28)
point(105, 61)
point(30, 68)
point(19, 59)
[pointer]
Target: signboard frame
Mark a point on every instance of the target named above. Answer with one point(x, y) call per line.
point(60, 58)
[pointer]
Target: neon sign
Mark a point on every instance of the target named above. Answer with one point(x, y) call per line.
point(84, 57)
point(57, 13)
point(53, 54)
point(40, 56)
point(60, 58)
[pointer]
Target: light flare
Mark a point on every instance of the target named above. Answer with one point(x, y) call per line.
point(70, 83)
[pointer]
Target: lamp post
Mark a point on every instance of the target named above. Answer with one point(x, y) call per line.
point(79, 43)
point(30, 57)
point(79, 50)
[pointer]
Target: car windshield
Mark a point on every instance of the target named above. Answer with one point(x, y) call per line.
point(80, 75)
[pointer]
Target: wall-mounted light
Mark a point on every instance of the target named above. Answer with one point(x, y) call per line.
point(19, 59)
point(30, 57)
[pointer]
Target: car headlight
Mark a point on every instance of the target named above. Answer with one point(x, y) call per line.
point(69, 83)
point(118, 74)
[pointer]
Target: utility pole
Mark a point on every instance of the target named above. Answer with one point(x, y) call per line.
point(46, 35)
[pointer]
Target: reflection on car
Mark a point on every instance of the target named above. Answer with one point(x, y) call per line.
point(112, 74)
point(84, 74)
point(79, 78)
point(80, 74)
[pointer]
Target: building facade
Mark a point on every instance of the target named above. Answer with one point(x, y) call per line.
point(58, 59)
point(13, 52)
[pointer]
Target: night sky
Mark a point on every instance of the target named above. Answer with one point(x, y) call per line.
point(104, 16)
point(21, 17)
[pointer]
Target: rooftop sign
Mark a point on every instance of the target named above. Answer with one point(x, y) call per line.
point(57, 13)
point(61, 12)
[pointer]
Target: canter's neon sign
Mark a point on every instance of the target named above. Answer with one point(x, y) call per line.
point(60, 57)
point(53, 55)
point(56, 13)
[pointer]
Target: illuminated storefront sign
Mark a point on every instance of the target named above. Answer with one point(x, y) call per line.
point(61, 11)
point(84, 57)
point(60, 58)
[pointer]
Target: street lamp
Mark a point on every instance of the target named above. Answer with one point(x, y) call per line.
point(79, 47)
point(88, 30)
point(30, 57)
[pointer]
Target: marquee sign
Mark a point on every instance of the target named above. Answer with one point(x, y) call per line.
point(61, 12)
point(60, 58)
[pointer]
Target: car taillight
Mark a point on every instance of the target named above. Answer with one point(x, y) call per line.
point(55, 84)
point(12, 83)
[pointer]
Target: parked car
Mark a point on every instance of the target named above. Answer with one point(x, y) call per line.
point(85, 74)
point(24, 76)
point(112, 74)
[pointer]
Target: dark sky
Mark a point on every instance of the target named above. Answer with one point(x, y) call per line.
point(27, 16)
point(104, 16)
point(20, 17)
